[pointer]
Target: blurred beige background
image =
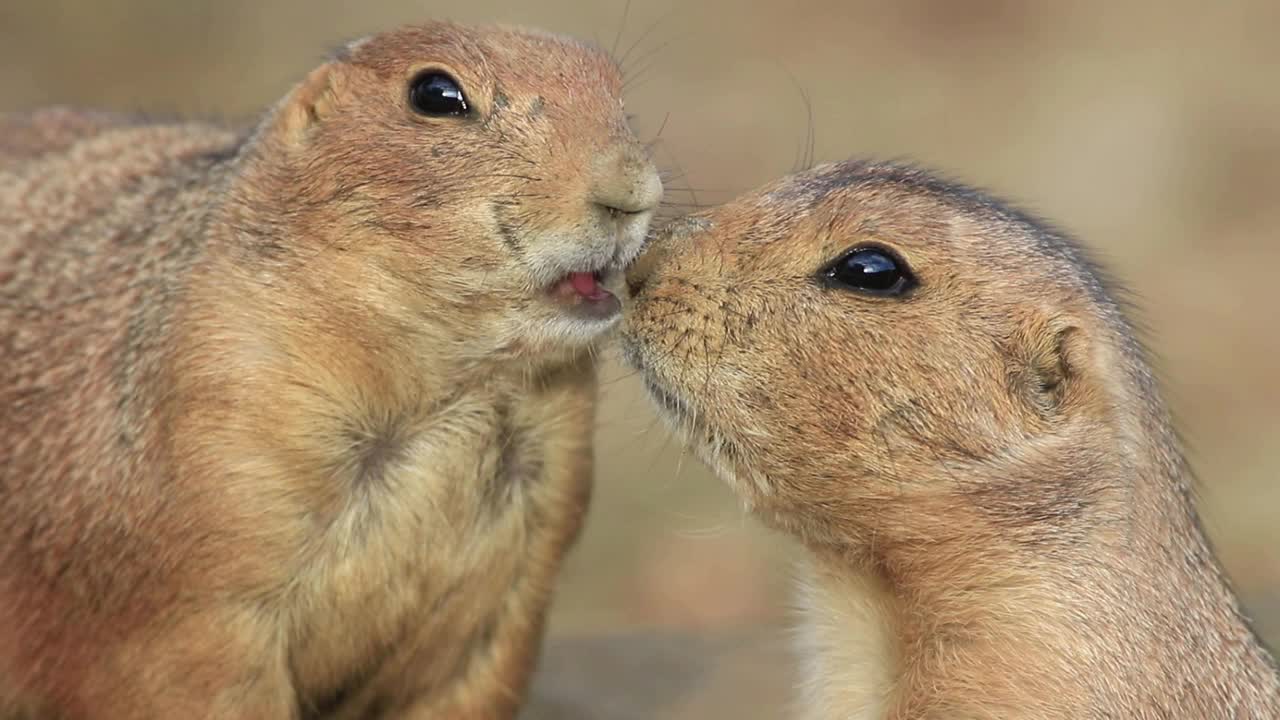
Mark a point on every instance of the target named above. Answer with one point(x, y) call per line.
point(1151, 129)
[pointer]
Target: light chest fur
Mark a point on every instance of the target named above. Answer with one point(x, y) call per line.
point(846, 644)
point(445, 531)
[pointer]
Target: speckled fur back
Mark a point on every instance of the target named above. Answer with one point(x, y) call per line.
point(99, 219)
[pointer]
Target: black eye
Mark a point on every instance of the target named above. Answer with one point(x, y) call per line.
point(437, 94)
point(870, 270)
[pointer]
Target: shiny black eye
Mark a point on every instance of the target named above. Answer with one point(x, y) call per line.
point(870, 270)
point(437, 95)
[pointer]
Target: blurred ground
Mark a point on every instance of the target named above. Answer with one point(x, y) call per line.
point(1151, 129)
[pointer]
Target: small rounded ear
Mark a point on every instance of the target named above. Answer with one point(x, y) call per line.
point(1050, 362)
point(310, 102)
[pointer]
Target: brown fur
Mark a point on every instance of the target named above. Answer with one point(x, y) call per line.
point(291, 427)
point(997, 510)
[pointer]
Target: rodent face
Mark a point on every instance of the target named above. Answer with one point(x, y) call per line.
point(831, 406)
point(488, 171)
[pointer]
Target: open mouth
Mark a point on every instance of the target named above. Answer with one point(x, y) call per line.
point(583, 295)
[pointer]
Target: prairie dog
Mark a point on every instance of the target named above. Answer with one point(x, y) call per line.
point(296, 423)
point(941, 399)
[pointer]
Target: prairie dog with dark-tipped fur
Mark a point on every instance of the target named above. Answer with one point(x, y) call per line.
point(939, 397)
point(297, 423)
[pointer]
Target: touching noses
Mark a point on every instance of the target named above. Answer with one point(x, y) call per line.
point(627, 187)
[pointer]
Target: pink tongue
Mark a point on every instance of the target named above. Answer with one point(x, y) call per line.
point(585, 284)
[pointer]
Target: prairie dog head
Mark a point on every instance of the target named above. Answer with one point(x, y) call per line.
point(860, 350)
point(482, 180)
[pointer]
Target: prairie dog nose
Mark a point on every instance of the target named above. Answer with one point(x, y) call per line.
point(668, 239)
point(626, 182)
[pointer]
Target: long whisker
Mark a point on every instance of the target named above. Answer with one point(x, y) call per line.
point(626, 10)
point(644, 35)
